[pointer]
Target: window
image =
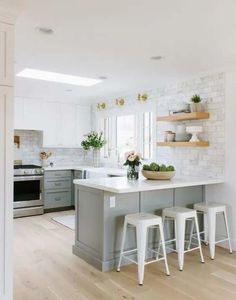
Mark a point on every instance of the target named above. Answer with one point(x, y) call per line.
point(129, 132)
point(126, 137)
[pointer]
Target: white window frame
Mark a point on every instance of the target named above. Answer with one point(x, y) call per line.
point(138, 112)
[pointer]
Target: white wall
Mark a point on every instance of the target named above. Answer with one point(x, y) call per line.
point(226, 193)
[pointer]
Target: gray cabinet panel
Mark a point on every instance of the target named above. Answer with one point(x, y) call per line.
point(57, 174)
point(187, 196)
point(57, 199)
point(57, 189)
point(90, 222)
point(114, 220)
point(57, 184)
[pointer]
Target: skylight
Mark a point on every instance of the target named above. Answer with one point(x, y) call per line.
point(58, 77)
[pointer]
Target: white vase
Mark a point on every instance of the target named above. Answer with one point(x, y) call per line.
point(44, 163)
point(196, 107)
point(96, 158)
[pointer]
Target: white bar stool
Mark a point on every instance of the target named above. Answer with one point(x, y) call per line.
point(180, 215)
point(210, 210)
point(142, 222)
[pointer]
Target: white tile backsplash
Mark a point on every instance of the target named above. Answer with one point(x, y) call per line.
point(30, 147)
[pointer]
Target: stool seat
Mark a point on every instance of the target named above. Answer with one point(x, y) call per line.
point(205, 207)
point(142, 222)
point(174, 211)
point(143, 218)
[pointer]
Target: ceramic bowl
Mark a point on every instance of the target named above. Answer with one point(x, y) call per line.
point(158, 175)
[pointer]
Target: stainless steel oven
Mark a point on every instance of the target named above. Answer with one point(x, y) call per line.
point(28, 193)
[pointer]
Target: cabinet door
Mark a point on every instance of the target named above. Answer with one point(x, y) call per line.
point(51, 121)
point(6, 54)
point(19, 113)
point(32, 114)
point(68, 125)
point(83, 122)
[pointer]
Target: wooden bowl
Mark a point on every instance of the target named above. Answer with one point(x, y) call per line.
point(158, 175)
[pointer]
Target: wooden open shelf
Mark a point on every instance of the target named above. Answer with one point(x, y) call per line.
point(184, 144)
point(185, 117)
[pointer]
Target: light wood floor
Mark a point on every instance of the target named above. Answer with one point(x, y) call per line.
point(45, 268)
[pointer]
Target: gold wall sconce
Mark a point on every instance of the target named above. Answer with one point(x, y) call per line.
point(120, 102)
point(101, 106)
point(142, 97)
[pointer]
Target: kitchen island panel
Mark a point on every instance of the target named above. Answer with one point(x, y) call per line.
point(114, 221)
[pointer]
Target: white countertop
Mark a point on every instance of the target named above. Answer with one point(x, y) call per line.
point(92, 172)
point(122, 185)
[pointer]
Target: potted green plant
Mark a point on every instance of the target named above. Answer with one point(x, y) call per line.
point(94, 141)
point(196, 103)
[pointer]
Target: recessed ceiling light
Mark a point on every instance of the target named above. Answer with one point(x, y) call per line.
point(158, 57)
point(45, 30)
point(58, 77)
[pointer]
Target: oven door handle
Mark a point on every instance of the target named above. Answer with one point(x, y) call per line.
point(28, 178)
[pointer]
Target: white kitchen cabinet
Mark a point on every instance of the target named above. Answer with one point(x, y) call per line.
point(63, 124)
point(33, 114)
point(51, 119)
point(68, 125)
point(6, 54)
point(83, 122)
point(28, 114)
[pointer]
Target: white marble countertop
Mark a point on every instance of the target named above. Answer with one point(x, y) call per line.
point(122, 185)
point(92, 172)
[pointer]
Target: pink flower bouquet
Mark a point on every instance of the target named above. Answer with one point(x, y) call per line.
point(132, 159)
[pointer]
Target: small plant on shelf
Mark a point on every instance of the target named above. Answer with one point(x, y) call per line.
point(196, 99)
point(196, 103)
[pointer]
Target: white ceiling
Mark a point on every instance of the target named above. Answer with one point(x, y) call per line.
point(117, 38)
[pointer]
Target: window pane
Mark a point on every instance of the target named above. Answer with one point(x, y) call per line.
point(106, 129)
point(147, 135)
point(126, 134)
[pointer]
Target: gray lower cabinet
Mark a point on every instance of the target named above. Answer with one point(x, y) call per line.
point(57, 189)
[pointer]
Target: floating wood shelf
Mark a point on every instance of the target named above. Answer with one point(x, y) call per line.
point(185, 117)
point(184, 144)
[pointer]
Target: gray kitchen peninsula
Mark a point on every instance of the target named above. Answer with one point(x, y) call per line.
point(102, 203)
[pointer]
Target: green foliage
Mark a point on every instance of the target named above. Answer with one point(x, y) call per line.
point(196, 99)
point(158, 168)
point(146, 168)
point(154, 167)
point(94, 140)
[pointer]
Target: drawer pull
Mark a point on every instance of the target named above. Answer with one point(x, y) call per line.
point(57, 199)
point(57, 184)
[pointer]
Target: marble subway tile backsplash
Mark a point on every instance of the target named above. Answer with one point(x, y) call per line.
point(209, 161)
point(30, 147)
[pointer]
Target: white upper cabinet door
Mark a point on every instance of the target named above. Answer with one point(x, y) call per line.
point(68, 125)
point(51, 124)
point(33, 114)
point(19, 113)
point(83, 122)
point(6, 54)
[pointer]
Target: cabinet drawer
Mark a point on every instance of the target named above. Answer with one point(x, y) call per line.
point(57, 184)
point(57, 174)
point(57, 199)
